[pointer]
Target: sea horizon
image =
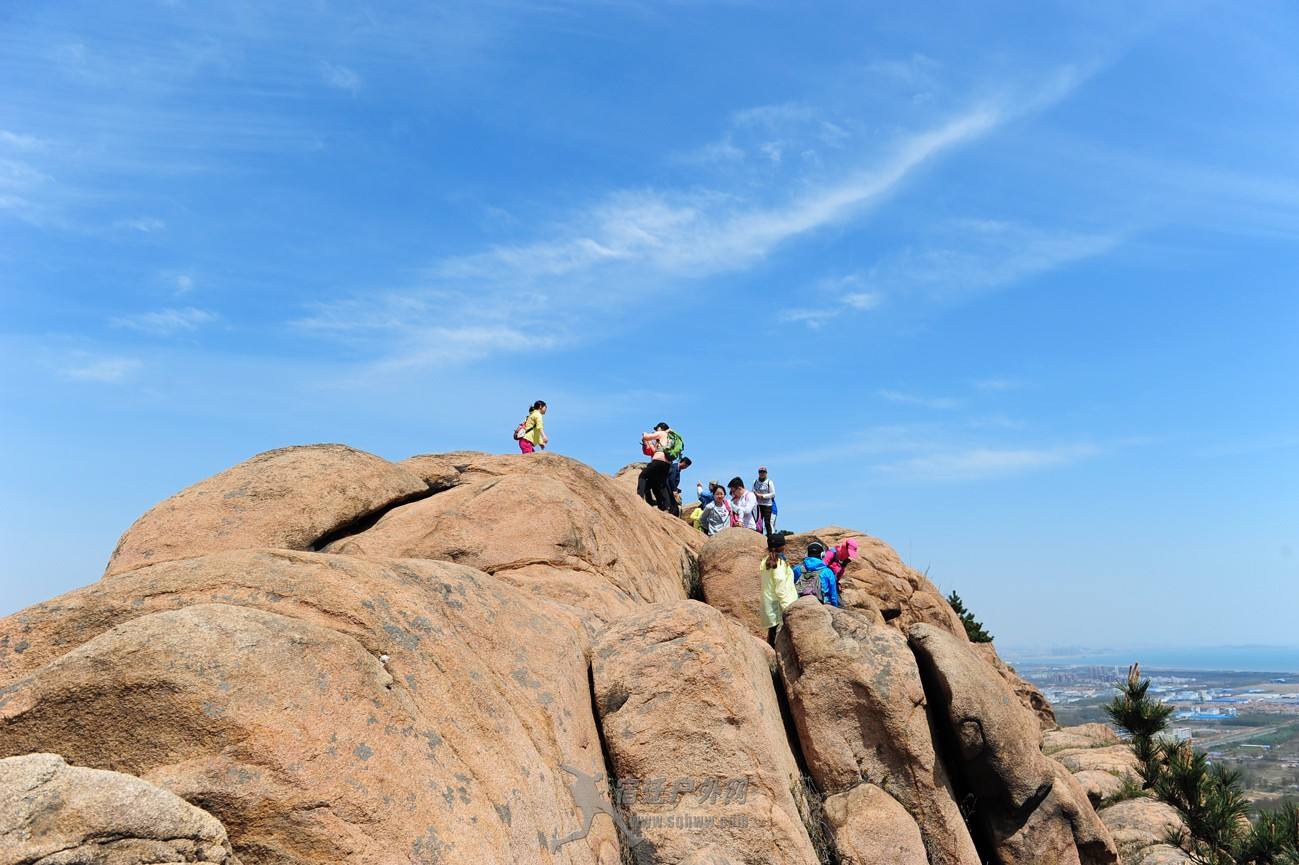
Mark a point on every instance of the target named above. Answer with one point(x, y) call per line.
point(1260, 659)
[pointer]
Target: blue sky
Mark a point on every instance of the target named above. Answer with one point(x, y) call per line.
point(1012, 287)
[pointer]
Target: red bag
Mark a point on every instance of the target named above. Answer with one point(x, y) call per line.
point(647, 449)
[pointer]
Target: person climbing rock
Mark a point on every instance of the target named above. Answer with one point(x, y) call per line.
point(744, 506)
point(838, 557)
point(674, 482)
point(716, 515)
point(655, 445)
point(813, 577)
point(765, 490)
point(777, 585)
point(531, 434)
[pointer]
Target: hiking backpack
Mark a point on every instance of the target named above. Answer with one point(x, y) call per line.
point(518, 430)
point(676, 444)
point(809, 583)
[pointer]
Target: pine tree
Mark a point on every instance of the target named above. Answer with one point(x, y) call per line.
point(973, 629)
point(1144, 719)
point(1210, 798)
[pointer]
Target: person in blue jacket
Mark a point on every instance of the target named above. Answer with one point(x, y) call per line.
point(706, 495)
point(814, 577)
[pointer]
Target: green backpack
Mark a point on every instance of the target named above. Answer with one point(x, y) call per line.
point(676, 444)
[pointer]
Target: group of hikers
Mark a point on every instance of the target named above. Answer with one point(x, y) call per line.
point(719, 507)
point(724, 507)
point(817, 575)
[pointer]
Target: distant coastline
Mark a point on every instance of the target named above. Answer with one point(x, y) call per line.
point(1261, 659)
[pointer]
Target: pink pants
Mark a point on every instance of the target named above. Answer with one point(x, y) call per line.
point(526, 446)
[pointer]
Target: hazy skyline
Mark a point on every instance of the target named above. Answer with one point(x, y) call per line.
point(1013, 288)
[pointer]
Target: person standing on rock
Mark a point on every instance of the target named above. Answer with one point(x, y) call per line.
point(744, 506)
point(532, 432)
point(716, 515)
point(655, 444)
point(777, 585)
point(765, 490)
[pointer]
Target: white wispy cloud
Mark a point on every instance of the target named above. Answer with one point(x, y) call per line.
point(20, 175)
point(862, 300)
point(421, 331)
point(608, 253)
point(703, 233)
point(941, 403)
point(142, 224)
point(530, 290)
point(165, 322)
point(765, 134)
point(976, 255)
point(876, 441)
point(23, 185)
point(21, 141)
point(981, 463)
point(813, 317)
point(916, 70)
point(443, 346)
point(832, 297)
point(340, 77)
point(107, 370)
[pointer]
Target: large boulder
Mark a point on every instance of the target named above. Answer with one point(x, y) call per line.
point(629, 475)
point(546, 523)
point(292, 498)
point(996, 737)
point(1160, 854)
point(1117, 760)
point(1030, 807)
point(443, 471)
point(326, 709)
point(691, 719)
point(878, 579)
point(860, 710)
point(1139, 827)
point(731, 578)
point(871, 828)
point(55, 814)
point(1098, 785)
point(1079, 736)
point(1069, 803)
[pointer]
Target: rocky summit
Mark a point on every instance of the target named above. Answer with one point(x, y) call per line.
point(319, 656)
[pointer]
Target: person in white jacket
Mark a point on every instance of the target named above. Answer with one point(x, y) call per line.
point(744, 506)
point(777, 585)
point(765, 489)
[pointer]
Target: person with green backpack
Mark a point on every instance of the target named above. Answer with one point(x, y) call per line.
point(657, 445)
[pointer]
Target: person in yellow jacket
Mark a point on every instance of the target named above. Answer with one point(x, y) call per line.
point(777, 585)
point(531, 434)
